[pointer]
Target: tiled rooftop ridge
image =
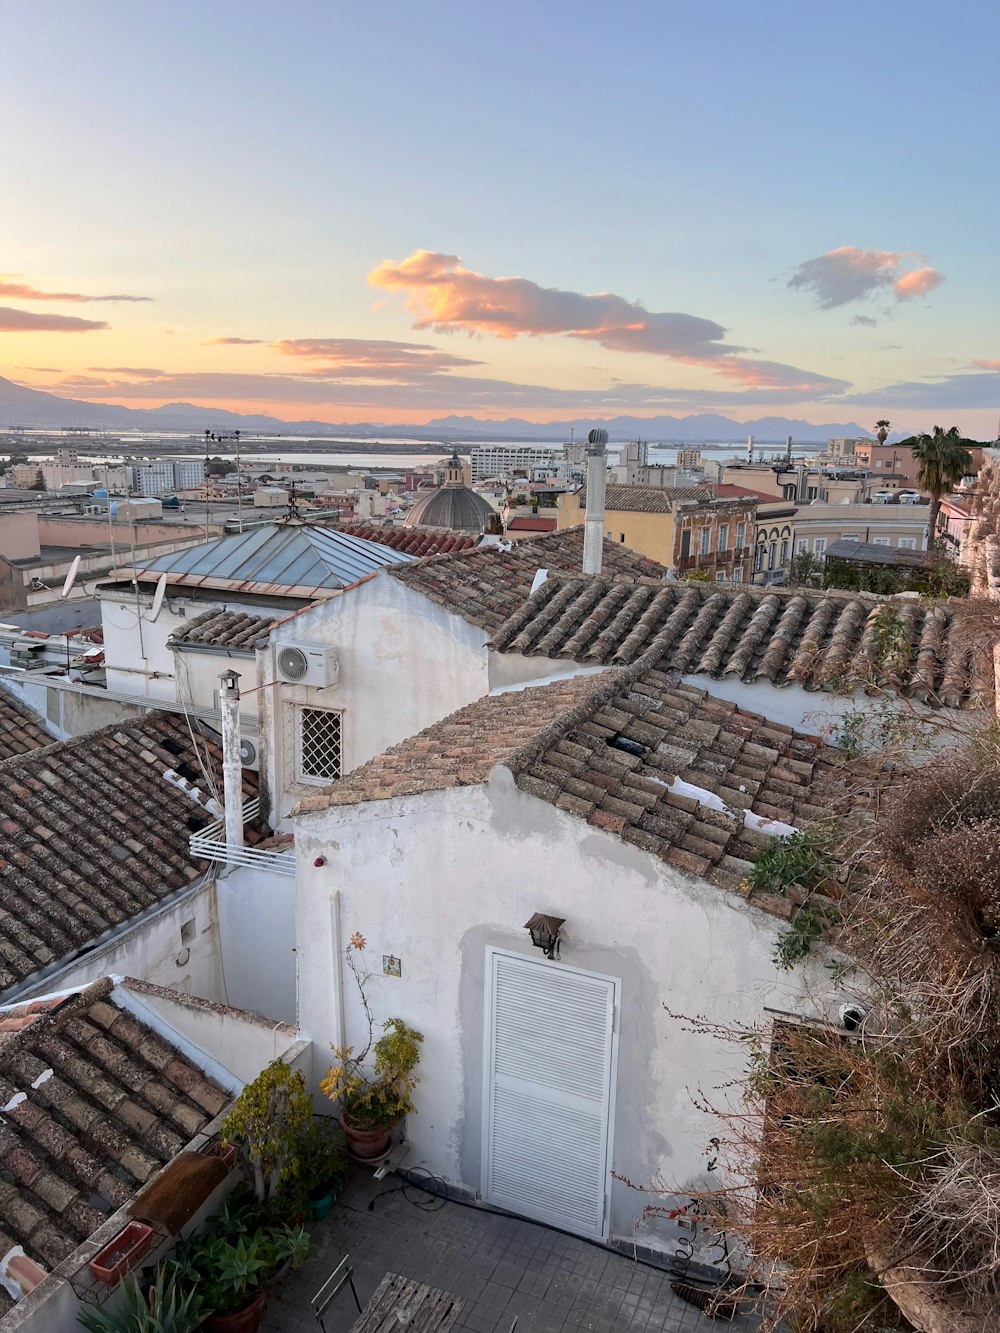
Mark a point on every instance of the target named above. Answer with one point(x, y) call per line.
point(818, 640)
point(416, 541)
point(21, 730)
point(92, 1104)
point(487, 585)
point(93, 832)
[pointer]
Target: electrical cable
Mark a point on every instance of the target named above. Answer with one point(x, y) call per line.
point(440, 1195)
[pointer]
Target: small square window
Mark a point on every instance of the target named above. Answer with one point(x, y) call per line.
point(318, 746)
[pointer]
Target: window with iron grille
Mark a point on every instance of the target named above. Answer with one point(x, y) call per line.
point(318, 746)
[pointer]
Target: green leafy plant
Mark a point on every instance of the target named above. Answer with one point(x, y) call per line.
point(162, 1307)
point(268, 1118)
point(796, 866)
point(229, 1267)
point(378, 1099)
point(322, 1155)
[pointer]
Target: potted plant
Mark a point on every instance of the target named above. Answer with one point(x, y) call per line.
point(269, 1117)
point(322, 1164)
point(234, 1268)
point(163, 1307)
point(371, 1104)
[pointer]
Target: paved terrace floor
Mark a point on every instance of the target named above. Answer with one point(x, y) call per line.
point(500, 1266)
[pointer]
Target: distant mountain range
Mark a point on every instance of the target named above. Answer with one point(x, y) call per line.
point(20, 406)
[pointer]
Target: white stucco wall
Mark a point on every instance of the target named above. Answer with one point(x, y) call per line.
point(138, 661)
point(817, 712)
point(437, 878)
point(257, 933)
point(405, 663)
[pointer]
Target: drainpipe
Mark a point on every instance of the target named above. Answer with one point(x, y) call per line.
point(597, 478)
point(232, 769)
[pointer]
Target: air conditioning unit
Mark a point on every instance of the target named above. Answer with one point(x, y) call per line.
point(308, 664)
point(250, 753)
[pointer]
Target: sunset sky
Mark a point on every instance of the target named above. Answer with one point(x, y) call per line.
point(392, 212)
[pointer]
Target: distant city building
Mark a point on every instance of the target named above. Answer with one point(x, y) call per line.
point(453, 505)
point(160, 476)
point(500, 460)
point(688, 457)
point(845, 446)
point(189, 473)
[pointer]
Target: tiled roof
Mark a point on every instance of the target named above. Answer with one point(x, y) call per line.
point(94, 1104)
point(92, 833)
point(458, 751)
point(818, 640)
point(224, 629)
point(649, 499)
point(417, 542)
point(21, 730)
point(488, 584)
point(688, 778)
point(531, 525)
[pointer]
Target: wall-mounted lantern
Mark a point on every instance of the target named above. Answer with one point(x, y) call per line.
point(545, 933)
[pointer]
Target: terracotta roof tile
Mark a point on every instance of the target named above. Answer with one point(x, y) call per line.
point(416, 541)
point(223, 628)
point(628, 775)
point(21, 729)
point(92, 832)
point(487, 585)
point(818, 640)
point(76, 1139)
point(632, 499)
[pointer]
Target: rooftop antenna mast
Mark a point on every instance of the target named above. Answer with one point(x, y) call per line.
point(239, 483)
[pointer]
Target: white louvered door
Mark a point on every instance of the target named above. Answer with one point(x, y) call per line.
point(548, 1091)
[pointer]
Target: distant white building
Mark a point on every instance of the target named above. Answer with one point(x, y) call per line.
point(188, 473)
point(155, 477)
point(498, 460)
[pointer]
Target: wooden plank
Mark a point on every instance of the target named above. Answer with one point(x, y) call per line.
point(430, 1310)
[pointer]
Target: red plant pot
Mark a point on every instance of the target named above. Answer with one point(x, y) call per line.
point(123, 1253)
point(247, 1320)
point(227, 1151)
point(366, 1145)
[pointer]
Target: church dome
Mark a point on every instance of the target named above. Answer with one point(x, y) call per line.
point(453, 505)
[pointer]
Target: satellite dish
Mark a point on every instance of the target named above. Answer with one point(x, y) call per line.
point(70, 578)
point(158, 596)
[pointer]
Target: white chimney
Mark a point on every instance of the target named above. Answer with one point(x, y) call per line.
point(597, 480)
point(232, 768)
point(749, 448)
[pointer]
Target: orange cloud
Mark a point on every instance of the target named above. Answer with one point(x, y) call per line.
point(27, 321)
point(22, 291)
point(372, 357)
point(446, 296)
point(987, 365)
point(848, 274)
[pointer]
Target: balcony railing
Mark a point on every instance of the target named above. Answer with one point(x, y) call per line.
point(210, 845)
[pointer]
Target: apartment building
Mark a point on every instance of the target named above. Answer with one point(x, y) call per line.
point(501, 460)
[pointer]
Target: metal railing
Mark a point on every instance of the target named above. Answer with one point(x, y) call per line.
point(210, 845)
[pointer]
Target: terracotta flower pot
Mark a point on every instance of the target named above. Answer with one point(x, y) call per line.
point(123, 1253)
point(366, 1145)
point(247, 1320)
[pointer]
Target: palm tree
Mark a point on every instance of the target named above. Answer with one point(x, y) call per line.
point(944, 461)
point(882, 429)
